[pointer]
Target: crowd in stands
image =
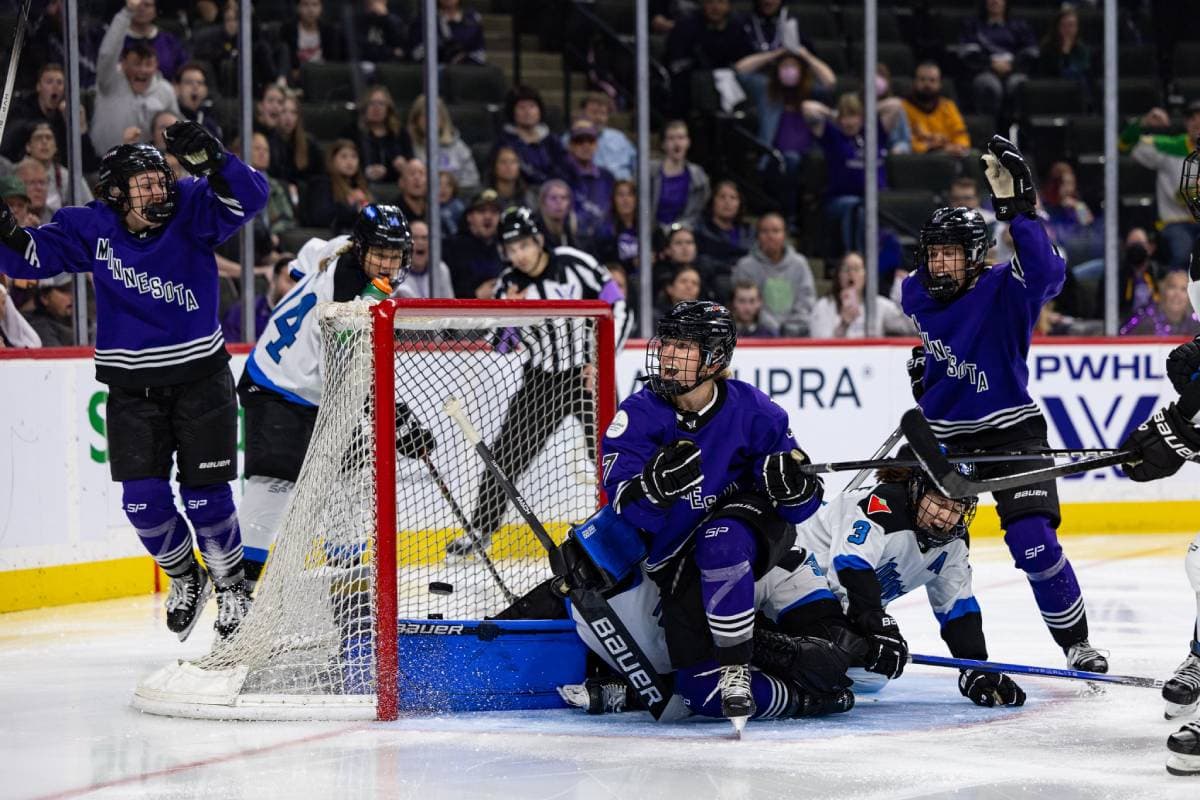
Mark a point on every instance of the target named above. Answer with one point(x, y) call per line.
point(756, 182)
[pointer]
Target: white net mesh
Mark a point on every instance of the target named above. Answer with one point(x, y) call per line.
point(529, 387)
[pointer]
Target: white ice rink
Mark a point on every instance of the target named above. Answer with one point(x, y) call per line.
point(66, 728)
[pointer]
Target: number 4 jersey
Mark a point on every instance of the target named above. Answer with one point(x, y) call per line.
point(288, 358)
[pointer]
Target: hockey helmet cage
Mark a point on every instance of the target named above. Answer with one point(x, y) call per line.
point(383, 227)
point(708, 324)
point(920, 484)
point(1189, 183)
point(125, 161)
point(954, 226)
point(518, 222)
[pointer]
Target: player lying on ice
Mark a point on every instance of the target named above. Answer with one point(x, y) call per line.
point(880, 543)
point(705, 468)
point(971, 378)
point(1163, 443)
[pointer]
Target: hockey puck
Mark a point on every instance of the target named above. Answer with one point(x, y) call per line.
point(437, 587)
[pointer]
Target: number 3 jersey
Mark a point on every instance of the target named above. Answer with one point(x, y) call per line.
point(288, 358)
point(864, 541)
point(735, 432)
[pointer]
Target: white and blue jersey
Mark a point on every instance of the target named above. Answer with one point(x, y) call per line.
point(157, 318)
point(868, 533)
point(976, 376)
point(289, 358)
point(735, 432)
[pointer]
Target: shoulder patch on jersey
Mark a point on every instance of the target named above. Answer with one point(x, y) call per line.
point(620, 422)
point(877, 505)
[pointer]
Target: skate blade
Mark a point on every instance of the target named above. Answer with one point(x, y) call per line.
point(1175, 711)
point(739, 725)
point(205, 593)
point(1183, 765)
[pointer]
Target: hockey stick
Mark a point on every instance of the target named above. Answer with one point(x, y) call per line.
point(883, 450)
point(966, 458)
point(654, 689)
point(955, 484)
point(476, 543)
point(1046, 672)
point(14, 59)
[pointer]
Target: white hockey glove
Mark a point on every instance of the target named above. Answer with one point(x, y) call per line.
point(1010, 179)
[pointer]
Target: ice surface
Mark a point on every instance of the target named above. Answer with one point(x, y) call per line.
point(67, 730)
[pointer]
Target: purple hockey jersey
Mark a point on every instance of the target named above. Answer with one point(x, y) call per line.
point(976, 375)
point(735, 433)
point(157, 295)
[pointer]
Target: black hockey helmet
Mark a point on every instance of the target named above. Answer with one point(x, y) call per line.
point(1189, 183)
point(383, 227)
point(517, 222)
point(920, 484)
point(124, 162)
point(962, 226)
point(702, 321)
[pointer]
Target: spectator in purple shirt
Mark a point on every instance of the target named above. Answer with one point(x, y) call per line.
point(171, 53)
point(678, 188)
point(560, 224)
point(541, 154)
point(1003, 50)
point(460, 35)
point(843, 141)
point(281, 283)
point(618, 240)
point(591, 185)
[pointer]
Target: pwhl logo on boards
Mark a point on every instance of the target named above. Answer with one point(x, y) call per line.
point(1082, 423)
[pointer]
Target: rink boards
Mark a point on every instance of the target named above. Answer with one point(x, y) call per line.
point(64, 538)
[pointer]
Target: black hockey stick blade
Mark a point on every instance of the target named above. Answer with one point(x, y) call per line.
point(636, 667)
point(954, 484)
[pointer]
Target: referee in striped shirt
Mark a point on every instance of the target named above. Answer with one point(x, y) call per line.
point(558, 379)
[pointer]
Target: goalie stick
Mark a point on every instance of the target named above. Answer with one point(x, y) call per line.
point(654, 689)
point(1046, 672)
point(965, 458)
point(954, 484)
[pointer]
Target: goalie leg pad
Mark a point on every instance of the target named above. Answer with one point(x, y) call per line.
point(211, 510)
point(150, 507)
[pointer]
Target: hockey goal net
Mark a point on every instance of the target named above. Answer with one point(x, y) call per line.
point(374, 534)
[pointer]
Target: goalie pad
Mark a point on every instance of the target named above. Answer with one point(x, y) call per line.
point(613, 546)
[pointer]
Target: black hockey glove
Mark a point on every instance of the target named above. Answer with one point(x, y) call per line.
point(1183, 365)
point(816, 664)
point(198, 151)
point(786, 483)
point(990, 688)
point(888, 651)
point(11, 232)
point(916, 372)
point(412, 441)
point(1010, 179)
point(579, 571)
point(672, 472)
point(1162, 443)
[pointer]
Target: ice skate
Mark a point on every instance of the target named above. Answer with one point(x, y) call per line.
point(186, 599)
point(1082, 656)
point(233, 604)
point(737, 703)
point(597, 695)
point(1184, 745)
point(1182, 690)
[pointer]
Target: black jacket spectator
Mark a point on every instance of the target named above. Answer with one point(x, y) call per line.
point(46, 104)
point(334, 199)
point(381, 35)
point(460, 35)
point(706, 40)
point(330, 45)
